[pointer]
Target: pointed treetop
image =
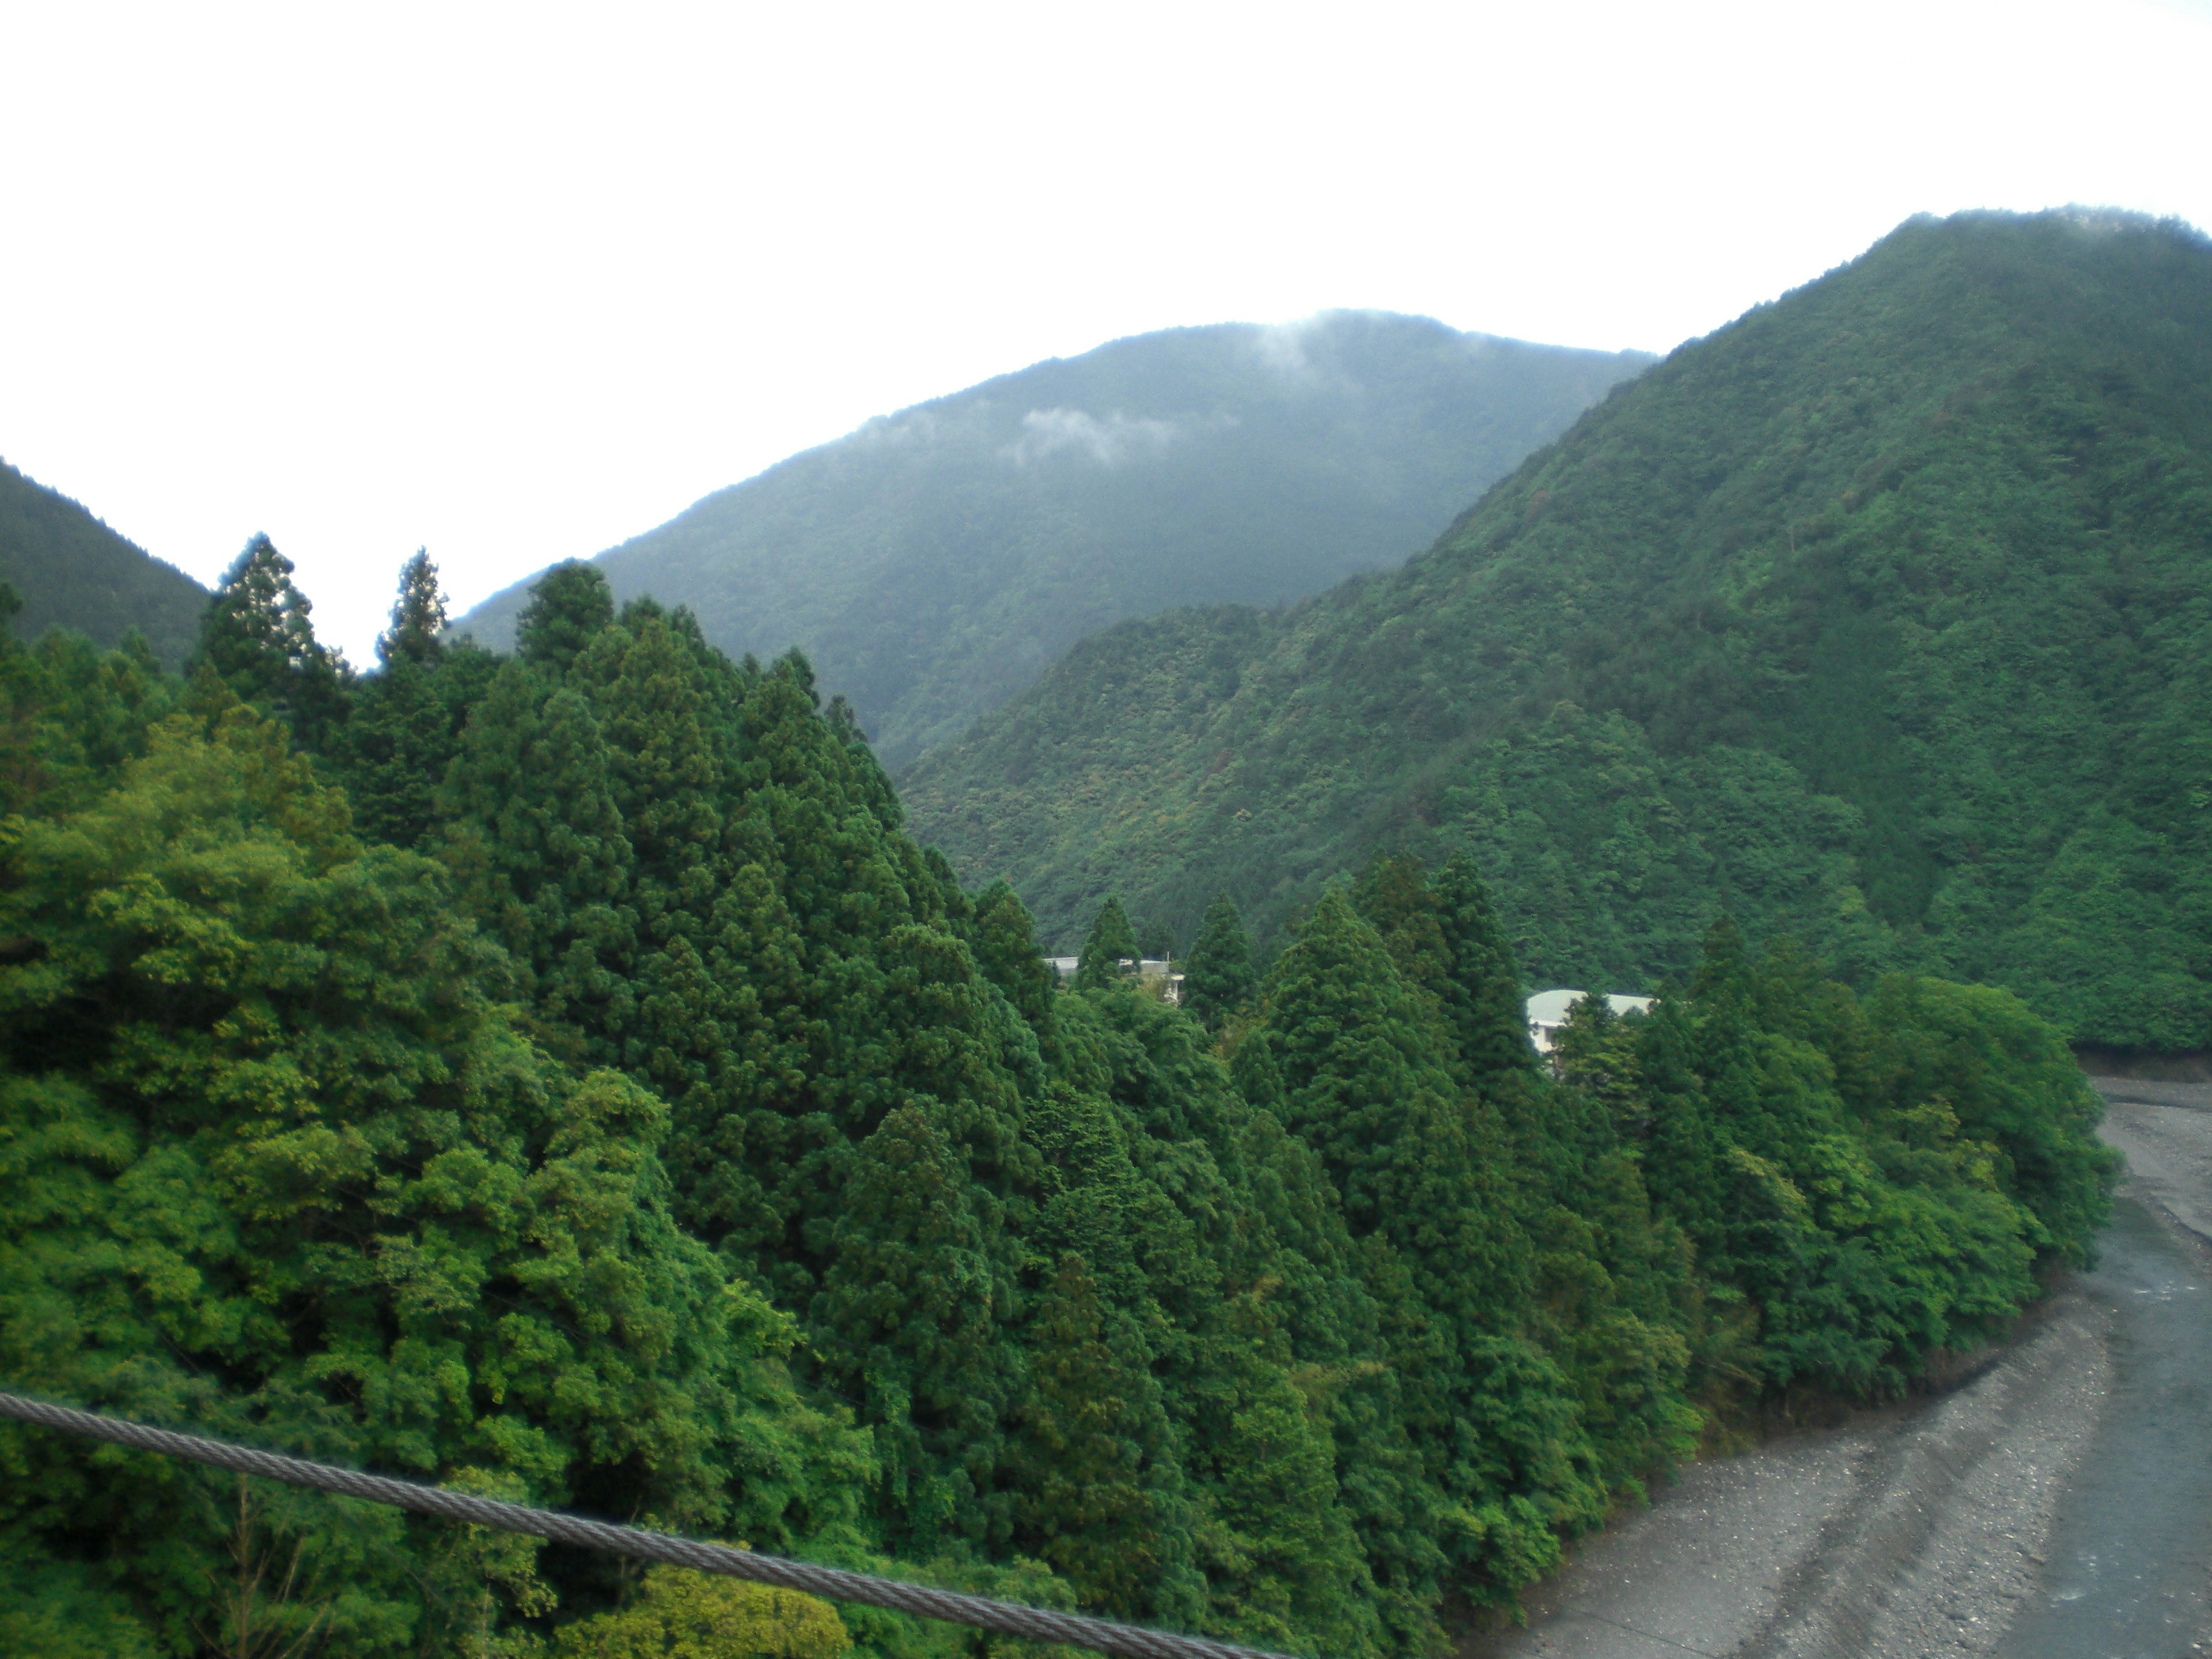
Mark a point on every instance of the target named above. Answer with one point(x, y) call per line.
point(568, 604)
point(418, 617)
point(1112, 941)
point(1005, 949)
point(1481, 996)
point(255, 634)
point(1217, 975)
point(1397, 895)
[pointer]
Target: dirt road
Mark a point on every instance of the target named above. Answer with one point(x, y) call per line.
point(2056, 1506)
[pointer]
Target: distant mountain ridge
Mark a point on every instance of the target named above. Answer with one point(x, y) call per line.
point(1881, 616)
point(71, 571)
point(934, 563)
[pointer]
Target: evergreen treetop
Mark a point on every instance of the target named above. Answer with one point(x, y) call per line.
point(1217, 975)
point(256, 638)
point(418, 616)
point(569, 604)
point(1110, 943)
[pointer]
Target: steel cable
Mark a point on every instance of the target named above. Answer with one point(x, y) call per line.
point(1008, 1617)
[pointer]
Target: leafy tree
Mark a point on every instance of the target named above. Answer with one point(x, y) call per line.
point(277, 1166)
point(689, 1615)
point(418, 616)
point(1084, 1504)
point(1217, 975)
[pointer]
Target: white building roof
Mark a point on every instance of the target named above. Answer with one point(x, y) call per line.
point(1547, 1012)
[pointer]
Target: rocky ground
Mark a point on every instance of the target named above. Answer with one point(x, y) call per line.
point(2058, 1503)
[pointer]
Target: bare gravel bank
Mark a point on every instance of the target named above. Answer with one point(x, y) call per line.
point(1967, 1523)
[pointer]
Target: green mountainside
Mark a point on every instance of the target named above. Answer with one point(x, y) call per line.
point(72, 571)
point(1882, 616)
point(559, 1076)
point(935, 562)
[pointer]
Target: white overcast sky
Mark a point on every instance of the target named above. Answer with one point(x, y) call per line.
point(519, 282)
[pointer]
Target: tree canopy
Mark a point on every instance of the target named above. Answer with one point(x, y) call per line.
point(1877, 618)
point(560, 1076)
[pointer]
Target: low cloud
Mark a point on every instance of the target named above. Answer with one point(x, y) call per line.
point(1109, 442)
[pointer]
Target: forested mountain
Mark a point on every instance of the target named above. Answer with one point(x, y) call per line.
point(71, 570)
point(560, 1076)
point(934, 561)
point(1882, 616)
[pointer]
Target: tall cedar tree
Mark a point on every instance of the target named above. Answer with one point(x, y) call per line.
point(407, 718)
point(1217, 975)
point(1419, 1163)
point(256, 638)
point(1110, 943)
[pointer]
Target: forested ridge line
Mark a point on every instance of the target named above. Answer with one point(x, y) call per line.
point(1879, 619)
point(70, 570)
point(560, 1076)
point(935, 562)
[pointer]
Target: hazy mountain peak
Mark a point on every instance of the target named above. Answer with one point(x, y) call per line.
point(932, 561)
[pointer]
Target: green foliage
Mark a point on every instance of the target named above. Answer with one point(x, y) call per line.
point(1217, 975)
point(257, 641)
point(688, 1615)
point(405, 727)
point(71, 571)
point(569, 604)
point(1110, 942)
point(934, 563)
point(278, 1166)
point(659, 1130)
point(1877, 618)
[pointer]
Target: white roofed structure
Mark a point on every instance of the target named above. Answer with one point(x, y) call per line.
point(1547, 1012)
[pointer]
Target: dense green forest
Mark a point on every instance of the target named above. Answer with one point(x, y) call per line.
point(1881, 617)
point(70, 570)
point(560, 1075)
point(935, 562)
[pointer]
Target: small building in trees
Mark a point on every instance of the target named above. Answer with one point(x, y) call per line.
point(1155, 974)
point(1547, 1012)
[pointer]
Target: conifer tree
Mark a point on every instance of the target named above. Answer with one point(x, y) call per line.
point(256, 637)
point(1004, 944)
point(569, 604)
point(1110, 942)
point(1482, 997)
point(405, 726)
point(1217, 975)
point(1084, 1506)
point(418, 616)
point(536, 841)
point(910, 1317)
point(1425, 1172)
point(1399, 902)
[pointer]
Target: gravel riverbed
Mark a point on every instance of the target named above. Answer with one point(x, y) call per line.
point(2058, 1503)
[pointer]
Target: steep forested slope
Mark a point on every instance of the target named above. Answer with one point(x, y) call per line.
point(934, 563)
point(72, 571)
point(559, 1075)
point(1883, 615)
